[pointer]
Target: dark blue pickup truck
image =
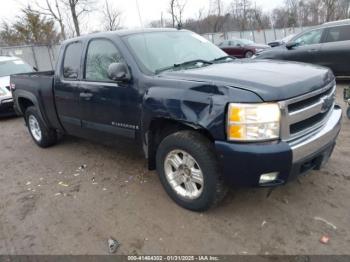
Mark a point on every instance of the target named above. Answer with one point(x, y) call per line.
point(203, 119)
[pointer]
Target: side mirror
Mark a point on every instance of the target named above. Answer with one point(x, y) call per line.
point(291, 45)
point(35, 69)
point(239, 45)
point(118, 72)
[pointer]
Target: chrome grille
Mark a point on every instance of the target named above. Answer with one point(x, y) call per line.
point(304, 114)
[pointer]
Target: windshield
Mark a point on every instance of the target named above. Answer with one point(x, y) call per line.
point(155, 51)
point(247, 42)
point(287, 38)
point(8, 68)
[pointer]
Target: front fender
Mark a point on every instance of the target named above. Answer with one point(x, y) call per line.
point(188, 106)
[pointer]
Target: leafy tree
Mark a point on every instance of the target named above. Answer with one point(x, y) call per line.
point(30, 28)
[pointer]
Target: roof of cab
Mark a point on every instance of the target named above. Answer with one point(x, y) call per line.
point(338, 22)
point(121, 33)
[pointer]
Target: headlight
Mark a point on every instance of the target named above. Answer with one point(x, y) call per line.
point(253, 122)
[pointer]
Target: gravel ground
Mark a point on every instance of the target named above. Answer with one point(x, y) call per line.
point(48, 206)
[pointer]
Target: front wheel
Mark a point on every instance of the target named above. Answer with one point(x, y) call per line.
point(188, 170)
point(42, 136)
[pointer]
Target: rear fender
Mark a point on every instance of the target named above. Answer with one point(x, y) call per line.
point(20, 94)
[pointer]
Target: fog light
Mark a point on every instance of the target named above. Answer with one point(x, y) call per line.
point(269, 177)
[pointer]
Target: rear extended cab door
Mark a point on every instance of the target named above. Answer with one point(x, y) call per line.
point(66, 87)
point(335, 52)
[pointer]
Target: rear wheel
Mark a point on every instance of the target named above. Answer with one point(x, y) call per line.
point(42, 136)
point(189, 172)
point(249, 54)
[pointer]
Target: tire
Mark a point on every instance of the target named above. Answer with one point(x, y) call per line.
point(248, 54)
point(348, 112)
point(213, 189)
point(47, 137)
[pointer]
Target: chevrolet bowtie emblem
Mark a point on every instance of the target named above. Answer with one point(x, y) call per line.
point(327, 103)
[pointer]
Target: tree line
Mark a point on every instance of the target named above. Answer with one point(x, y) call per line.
point(52, 21)
point(242, 15)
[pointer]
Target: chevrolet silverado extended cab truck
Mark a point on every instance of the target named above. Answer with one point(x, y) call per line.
point(204, 120)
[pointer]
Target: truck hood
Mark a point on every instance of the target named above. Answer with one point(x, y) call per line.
point(271, 80)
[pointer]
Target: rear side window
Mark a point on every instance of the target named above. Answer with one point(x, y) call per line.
point(100, 55)
point(339, 33)
point(71, 64)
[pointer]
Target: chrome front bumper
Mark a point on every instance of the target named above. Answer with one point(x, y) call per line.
point(319, 139)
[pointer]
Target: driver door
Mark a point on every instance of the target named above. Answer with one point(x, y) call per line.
point(108, 107)
point(308, 47)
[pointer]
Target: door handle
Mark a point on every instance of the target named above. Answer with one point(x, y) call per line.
point(313, 50)
point(86, 95)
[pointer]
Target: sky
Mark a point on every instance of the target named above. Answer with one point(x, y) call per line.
point(150, 10)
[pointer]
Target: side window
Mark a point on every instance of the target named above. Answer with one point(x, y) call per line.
point(310, 38)
point(224, 44)
point(101, 53)
point(71, 64)
point(238, 43)
point(339, 33)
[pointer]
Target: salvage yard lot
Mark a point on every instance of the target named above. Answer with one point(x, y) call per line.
point(50, 206)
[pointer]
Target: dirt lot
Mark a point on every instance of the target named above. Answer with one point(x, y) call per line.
point(116, 196)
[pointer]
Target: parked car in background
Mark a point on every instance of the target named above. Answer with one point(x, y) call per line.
point(9, 66)
point(327, 45)
point(204, 120)
point(242, 48)
point(282, 41)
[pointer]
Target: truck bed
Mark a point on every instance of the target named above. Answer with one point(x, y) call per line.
point(38, 86)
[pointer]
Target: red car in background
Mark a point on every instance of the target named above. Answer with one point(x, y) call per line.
point(242, 48)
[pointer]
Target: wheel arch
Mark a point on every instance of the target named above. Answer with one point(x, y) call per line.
point(24, 103)
point(24, 100)
point(162, 127)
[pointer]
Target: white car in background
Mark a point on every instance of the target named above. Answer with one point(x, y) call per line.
point(9, 66)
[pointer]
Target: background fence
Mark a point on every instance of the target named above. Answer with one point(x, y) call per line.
point(44, 57)
point(258, 36)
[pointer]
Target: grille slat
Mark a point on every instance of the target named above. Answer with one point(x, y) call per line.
point(306, 113)
point(308, 102)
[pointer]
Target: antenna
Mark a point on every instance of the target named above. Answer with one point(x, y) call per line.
point(143, 29)
point(138, 10)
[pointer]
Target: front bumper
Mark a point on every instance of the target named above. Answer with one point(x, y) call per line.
point(243, 164)
point(6, 107)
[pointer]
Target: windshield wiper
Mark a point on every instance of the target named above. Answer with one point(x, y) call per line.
point(187, 63)
point(223, 58)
